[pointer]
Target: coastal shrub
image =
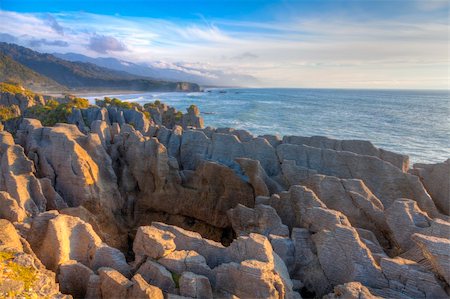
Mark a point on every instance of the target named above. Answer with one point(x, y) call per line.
point(107, 101)
point(157, 102)
point(178, 115)
point(53, 112)
point(80, 103)
point(192, 107)
point(6, 113)
point(147, 114)
point(15, 88)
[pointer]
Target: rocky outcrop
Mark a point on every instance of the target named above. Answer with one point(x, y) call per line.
point(18, 180)
point(21, 100)
point(437, 252)
point(351, 290)
point(262, 219)
point(308, 215)
point(436, 179)
point(21, 272)
point(361, 147)
point(69, 238)
point(385, 181)
point(80, 170)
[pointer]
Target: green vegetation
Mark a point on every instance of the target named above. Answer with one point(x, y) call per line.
point(6, 113)
point(155, 104)
point(53, 112)
point(176, 279)
point(13, 72)
point(116, 103)
point(178, 115)
point(13, 271)
point(15, 88)
point(193, 107)
point(31, 66)
point(147, 114)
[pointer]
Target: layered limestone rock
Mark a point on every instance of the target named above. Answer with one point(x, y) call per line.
point(351, 290)
point(247, 268)
point(361, 147)
point(22, 275)
point(69, 238)
point(19, 181)
point(80, 170)
point(404, 219)
point(352, 197)
point(385, 181)
point(437, 252)
point(436, 179)
point(20, 100)
point(152, 181)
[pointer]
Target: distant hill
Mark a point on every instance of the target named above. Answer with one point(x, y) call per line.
point(10, 70)
point(177, 73)
point(87, 76)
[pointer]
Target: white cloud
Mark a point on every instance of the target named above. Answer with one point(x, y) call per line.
point(312, 52)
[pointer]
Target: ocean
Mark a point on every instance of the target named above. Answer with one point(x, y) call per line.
point(411, 122)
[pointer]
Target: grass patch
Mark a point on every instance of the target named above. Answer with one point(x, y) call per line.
point(13, 271)
point(176, 279)
point(6, 113)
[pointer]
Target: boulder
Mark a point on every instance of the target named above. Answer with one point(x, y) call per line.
point(345, 258)
point(93, 290)
point(137, 119)
point(351, 290)
point(66, 237)
point(102, 129)
point(18, 177)
point(113, 284)
point(437, 252)
point(9, 238)
point(73, 278)
point(262, 219)
point(76, 118)
point(194, 148)
point(10, 209)
point(351, 197)
point(249, 279)
point(192, 118)
point(141, 289)
point(153, 242)
point(106, 256)
point(411, 279)
point(436, 179)
point(157, 275)
point(195, 286)
point(307, 267)
point(182, 260)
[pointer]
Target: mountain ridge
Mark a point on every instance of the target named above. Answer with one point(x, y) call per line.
point(87, 76)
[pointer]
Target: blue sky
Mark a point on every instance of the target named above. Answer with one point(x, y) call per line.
point(356, 44)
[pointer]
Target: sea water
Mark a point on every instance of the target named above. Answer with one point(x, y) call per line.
point(411, 122)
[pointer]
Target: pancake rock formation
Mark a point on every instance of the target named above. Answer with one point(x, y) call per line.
point(125, 201)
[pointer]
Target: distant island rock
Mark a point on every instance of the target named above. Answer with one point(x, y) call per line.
point(119, 200)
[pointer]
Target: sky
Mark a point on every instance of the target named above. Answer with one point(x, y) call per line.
point(310, 44)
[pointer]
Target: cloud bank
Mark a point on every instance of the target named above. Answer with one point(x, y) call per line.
point(315, 51)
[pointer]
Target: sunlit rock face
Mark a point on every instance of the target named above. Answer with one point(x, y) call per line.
point(117, 204)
